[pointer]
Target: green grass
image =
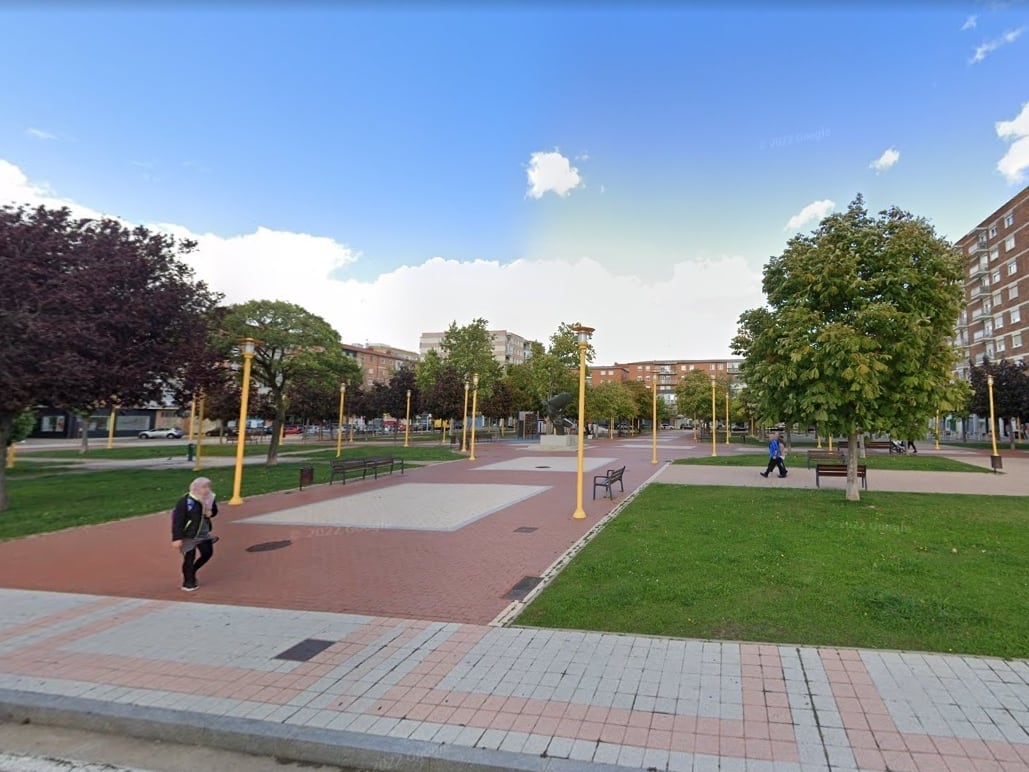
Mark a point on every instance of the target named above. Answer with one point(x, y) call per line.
point(872, 461)
point(421, 453)
point(211, 448)
point(805, 567)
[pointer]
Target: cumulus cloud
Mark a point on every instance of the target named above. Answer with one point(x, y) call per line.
point(884, 162)
point(39, 133)
point(551, 172)
point(1016, 160)
point(969, 23)
point(987, 48)
point(813, 212)
point(400, 304)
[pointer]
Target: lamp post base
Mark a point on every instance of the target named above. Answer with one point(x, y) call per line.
point(579, 515)
point(235, 501)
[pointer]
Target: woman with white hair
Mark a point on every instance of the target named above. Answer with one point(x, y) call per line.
point(191, 529)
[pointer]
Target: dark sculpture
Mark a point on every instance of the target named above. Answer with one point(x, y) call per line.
point(555, 407)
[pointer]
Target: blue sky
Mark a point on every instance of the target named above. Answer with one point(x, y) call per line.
point(372, 161)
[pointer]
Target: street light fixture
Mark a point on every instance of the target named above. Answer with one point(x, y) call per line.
point(727, 414)
point(475, 400)
point(653, 425)
point(995, 460)
point(714, 421)
point(464, 417)
point(339, 425)
point(248, 346)
point(584, 334)
point(407, 425)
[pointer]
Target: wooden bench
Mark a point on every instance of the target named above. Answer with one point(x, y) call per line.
point(341, 466)
point(606, 480)
point(839, 470)
point(880, 445)
point(825, 455)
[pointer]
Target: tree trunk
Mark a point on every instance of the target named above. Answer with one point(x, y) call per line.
point(853, 492)
point(84, 421)
point(1012, 431)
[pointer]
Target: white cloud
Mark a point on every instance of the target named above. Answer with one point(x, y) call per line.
point(39, 133)
point(969, 23)
point(551, 172)
point(884, 162)
point(990, 46)
point(398, 305)
point(813, 212)
point(1016, 160)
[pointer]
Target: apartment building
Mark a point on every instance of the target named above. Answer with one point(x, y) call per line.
point(996, 255)
point(668, 373)
point(379, 361)
point(508, 348)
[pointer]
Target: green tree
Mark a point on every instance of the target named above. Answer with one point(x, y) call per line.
point(500, 404)
point(858, 332)
point(1010, 392)
point(469, 350)
point(693, 395)
point(564, 344)
point(292, 345)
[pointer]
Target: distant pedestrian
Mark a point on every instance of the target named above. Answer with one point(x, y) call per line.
point(191, 529)
point(775, 456)
point(911, 446)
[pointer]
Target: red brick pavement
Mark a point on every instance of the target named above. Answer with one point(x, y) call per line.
point(457, 576)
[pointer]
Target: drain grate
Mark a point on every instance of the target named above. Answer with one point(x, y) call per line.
point(525, 529)
point(523, 588)
point(267, 546)
point(544, 466)
point(304, 650)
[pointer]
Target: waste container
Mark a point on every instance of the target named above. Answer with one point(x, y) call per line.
point(191, 451)
point(306, 476)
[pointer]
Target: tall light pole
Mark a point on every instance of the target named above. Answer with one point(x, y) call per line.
point(248, 346)
point(111, 419)
point(339, 426)
point(407, 424)
point(653, 425)
point(192, 417)
point(727, 415)
point(714, 421)
point(475, 400)
point(200, 441)
point(464, 418)
point(995, 461)
point(937, 447)
point(584, 341)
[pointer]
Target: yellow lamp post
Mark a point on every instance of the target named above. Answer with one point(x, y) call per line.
point(937, 446)
point(475, 398)
point(995, 460)
point(714, 420)
point(464, 418)
point(407, 423)
point(200, 442)
point(584, 341)
point(192, 418)
point(653, 426)
point(10, 456)
point(339, 427)
point(111, 419)
point(248, 346)
point(726, 415)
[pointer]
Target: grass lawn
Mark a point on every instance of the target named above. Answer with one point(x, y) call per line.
point(127, 453)
point(895, 571)
point(872, 461)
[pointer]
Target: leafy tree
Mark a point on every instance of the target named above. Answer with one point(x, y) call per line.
point(857, 336)
point(469, 350)
point(500, 404)
point(693, 395)
point(292, 345)
point(1010, 391)
point(444, 395)
point(396, 398)
point(564, 344)
point(93, 314)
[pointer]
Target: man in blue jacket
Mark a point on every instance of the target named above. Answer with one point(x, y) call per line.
point(775, 454)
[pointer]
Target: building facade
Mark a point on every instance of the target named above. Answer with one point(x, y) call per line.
point(668, 373)
point(508, 348)
point(996, 257)
point(379, 361)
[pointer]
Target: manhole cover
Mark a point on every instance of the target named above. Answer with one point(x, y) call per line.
point(304, 650)
point(543, 467)
point(523, 588)
point(267, 546)
point(525, 529)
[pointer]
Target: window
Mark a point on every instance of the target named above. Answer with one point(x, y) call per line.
point(1000, 343)
point(1016, 340)
point(989, 350)
point(1009, 220)
point(987, 307)
point(996, 298)
point(995, 278)
point(998, 321)
point(993, 232)
point(1012, 292)
point(1009, 243)
point(994, 254)
point(1012, 268)
point(987, 327)
point(1016, 315)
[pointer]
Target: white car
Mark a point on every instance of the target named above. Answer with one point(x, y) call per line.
point(173, 433)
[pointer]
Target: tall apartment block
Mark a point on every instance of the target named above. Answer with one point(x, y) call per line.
point(996, 254)
point(508, 348)
point(379, 361)
point(668, 373)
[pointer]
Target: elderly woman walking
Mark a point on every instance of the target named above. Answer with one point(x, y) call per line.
point(191, 529)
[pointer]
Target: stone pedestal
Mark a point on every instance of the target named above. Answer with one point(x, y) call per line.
point(559, 442)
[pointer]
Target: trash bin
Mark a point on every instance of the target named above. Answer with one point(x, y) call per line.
point(191, 451)
point(306, 476)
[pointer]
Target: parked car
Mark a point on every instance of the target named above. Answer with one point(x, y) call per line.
point(217, 432)
point(294, 430)
point(174, 433)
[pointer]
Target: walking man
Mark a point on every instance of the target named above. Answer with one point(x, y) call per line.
point(775, 455)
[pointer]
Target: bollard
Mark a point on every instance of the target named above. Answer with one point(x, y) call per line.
point(191, 450)
point(306, 476)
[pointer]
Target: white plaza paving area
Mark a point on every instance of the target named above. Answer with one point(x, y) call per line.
point(545, 464)
point(409, 506)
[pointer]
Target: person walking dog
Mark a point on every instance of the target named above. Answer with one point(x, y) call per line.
point(775, 456)
point(191, 529)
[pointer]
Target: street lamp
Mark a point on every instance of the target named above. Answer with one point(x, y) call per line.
point(339, 425)
point(248, 346)
point(407, 425)
point(200, 435)
point(653, 426)
point(475, 400)
point(111, 419)
point(937, 447)
point(726, 415)
point(464, 417)
point(995, 460)
point(584, 341)
point(714, 420)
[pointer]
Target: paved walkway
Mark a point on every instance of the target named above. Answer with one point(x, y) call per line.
point(367, 640)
